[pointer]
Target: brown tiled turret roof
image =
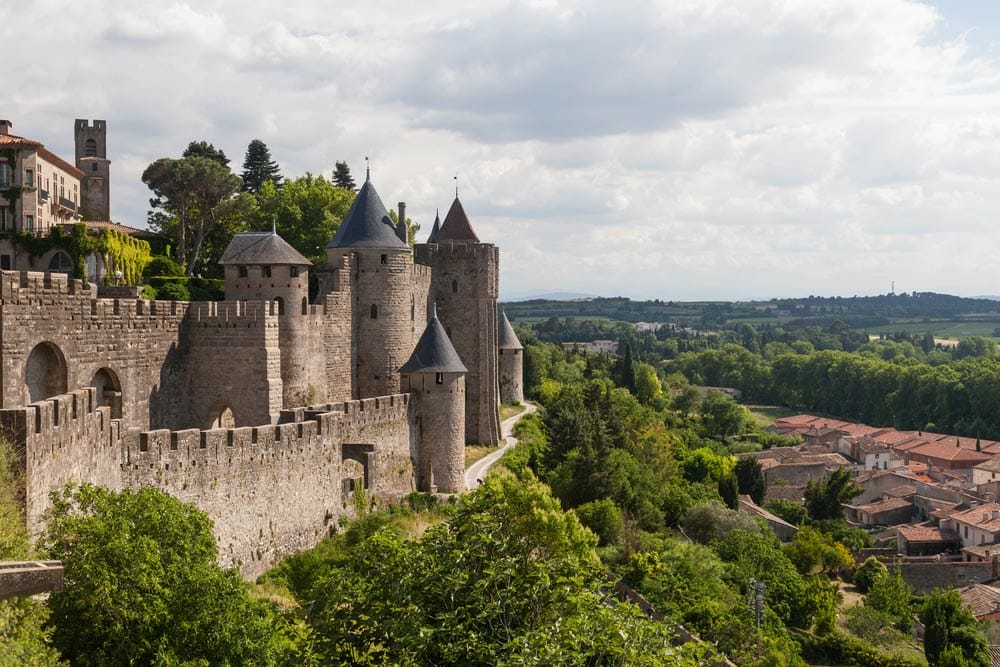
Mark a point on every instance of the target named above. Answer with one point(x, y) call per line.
point(456, 226)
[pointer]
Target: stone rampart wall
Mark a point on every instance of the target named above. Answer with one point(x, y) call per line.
point(65, 439)
point(234, 362)
point(137, 341)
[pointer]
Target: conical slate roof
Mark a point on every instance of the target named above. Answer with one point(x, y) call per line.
point(434, 352)
point(456, 226)
point(261, 248)
point(436, 228)
point(367, 224)
point(506, 338)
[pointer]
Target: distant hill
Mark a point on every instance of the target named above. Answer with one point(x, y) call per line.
point(853, 311)
point(557, 295)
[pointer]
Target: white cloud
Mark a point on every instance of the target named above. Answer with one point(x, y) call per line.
point(682, 149)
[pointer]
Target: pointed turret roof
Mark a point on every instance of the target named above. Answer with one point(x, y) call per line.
point(367, 224)
point(261, 248)
point(506, 338)
point(456, 226)
point(436, 228)
point(434, 352)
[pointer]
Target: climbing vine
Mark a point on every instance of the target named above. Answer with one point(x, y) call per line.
point(123, 253)
point(118, 250)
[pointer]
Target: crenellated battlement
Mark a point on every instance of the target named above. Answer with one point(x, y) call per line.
point(427, 252)
point(233, 313)
point(36, 284)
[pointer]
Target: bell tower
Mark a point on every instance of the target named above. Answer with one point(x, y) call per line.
point(92, 160)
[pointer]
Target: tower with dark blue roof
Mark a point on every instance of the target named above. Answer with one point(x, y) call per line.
point(388, 293)
point(435, 377)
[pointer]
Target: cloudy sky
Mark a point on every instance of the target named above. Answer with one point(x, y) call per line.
point(680, 149)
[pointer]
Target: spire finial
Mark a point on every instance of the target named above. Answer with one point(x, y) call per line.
point(434, 311)
point(274, 225)
point(456, 186)
point(368, 169)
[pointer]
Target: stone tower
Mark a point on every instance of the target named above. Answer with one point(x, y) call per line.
point(435, 377)
point(384, 299)
point(510, 355)
point(92, 160)
point(261, 266)
point(465, 284)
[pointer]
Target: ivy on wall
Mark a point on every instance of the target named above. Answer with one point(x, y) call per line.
point(119, 251)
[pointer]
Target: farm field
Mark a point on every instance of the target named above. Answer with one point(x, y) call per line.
point(950, 329)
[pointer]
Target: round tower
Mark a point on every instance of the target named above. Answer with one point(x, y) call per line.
point(435, 377)
point(510, 364)
point(261, 266)
point(383, 299)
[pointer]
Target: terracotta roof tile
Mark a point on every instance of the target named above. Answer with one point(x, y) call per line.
point(928, 534)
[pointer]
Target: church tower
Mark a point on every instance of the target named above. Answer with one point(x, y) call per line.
point(92, 160)
point(465, 285)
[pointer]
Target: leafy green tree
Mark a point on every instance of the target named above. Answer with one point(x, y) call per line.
point(825, 498)
point(206, 150)
point(647, 385)
point(24, 639)
point(194, 197)
point(750, 479)
point(710, 521)
point(307, 211)
point(509, 579)
point(950, 629)
point(891, 595)
point(722, 416)
point(342, 176)
point(142, 584)
point(789, 510)
point(604, 518)
point(258, 166)
point(868, 572)
point(814, 552)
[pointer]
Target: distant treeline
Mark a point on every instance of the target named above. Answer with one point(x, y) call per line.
point(855, 310)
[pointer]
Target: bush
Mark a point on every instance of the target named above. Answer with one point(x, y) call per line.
point(162, 266)
point(868, 572)
point(173, 291)
point(603, 517)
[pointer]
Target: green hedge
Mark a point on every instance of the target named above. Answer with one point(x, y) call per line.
point(183, 288)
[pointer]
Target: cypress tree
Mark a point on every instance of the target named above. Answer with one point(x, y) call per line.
point(258, 167)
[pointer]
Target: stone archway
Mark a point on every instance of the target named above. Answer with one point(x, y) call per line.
point(109, 391)
point(45, 372)
point(223, 417)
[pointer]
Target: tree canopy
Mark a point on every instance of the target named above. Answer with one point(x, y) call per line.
point(206, 150)
point(142, 585)
point(194, 198)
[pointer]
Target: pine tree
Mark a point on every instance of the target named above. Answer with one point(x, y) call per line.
point(258, 167)
point(342, 176)
point(205, 149)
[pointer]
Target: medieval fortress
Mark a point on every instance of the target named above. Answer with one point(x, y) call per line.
point(271, 413)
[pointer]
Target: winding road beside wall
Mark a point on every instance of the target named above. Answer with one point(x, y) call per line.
point(479, 469)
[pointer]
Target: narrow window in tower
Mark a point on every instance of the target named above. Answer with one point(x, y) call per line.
point(384, 258)
point(439, 378)
point(293, 271)
point(90, 148)
point(93, 166)
point(265, 272)
point(243, 272)
point(454, 286)
point(374, 312)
